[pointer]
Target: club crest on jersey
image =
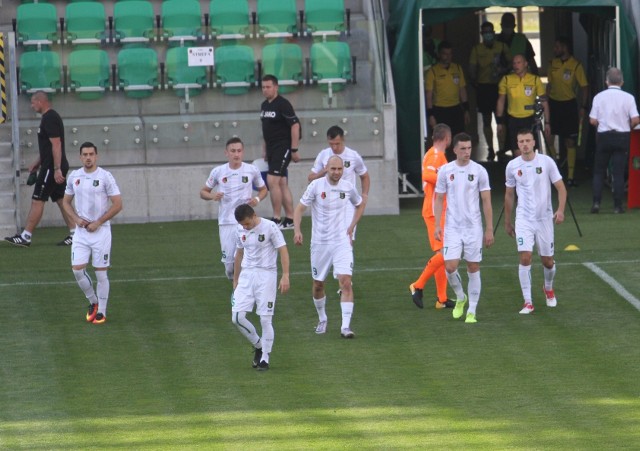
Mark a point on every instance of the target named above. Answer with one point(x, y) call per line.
point(342, 195)
point(538, 170)
point(528, 90)
point(245, 179)
point(470, 177)
point(323, 195)
point(347, 163)
point(452, 177)
point(224, 180)
point(96, 182)
point(261, 238)
point(244, 238)
point(77, 182)
point(566, 75)
point(519, 172)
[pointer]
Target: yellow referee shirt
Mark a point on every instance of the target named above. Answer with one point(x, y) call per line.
point(445, 84)
point(521, 93)
point(565, 77)
point(488, 59)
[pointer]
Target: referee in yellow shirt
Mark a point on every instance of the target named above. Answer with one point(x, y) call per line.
point(520, 89)
point(446, 92)
point(566, 76)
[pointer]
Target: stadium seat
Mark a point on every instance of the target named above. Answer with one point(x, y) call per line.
point(235, 68)
point(285, 62)
point(40, 71)
point(181, 20)
point(133, 21)
point(277, 18)
point(229, 19)
point(331, 65)
point(184, 79)
point(137, 72)
point(85, 23)
point(88, 73)
point(36, 24)
point(324, 17)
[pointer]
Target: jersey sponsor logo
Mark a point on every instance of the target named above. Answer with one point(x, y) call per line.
point(519, 172)
point(342, 195)
point(470, 177)
point(261, 238)
point(323, 195)
point(538, 170)
point(96, 183)
point(347, 163)
point(245, 179)
point(269, 114)
point(528, 90)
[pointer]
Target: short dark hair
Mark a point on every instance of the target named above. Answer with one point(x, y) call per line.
point(86, 144)
point(335, 131)
point(440, 132)
point(243, 211)
point(525, 131)
point(563, 40)
point(460, 137)
point(234, 140)
point(444, 45)
point(508, 19)
point(487, 24)
point(271, 78)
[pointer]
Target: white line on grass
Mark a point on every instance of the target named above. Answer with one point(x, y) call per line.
point(613, 283)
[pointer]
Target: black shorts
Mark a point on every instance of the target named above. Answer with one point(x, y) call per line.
point(453, 116)
point(514, 125)
point(487, 97)
point(278, 159)
point(46, 187)
point(564, 117)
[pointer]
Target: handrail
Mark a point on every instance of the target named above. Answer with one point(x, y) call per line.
point(377, 9)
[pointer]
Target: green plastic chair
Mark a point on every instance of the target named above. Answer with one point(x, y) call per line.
point(137, 72)
point(285, 62)
point(324, 17)
point(182, 78)
point(331, 65)
point(40, 71)
point(235, 68)
point(89, 73)
point(133, 22)
point(181, 20)
point(229, 19)
point(36, 24)
point(277, 18)
point(85, 22)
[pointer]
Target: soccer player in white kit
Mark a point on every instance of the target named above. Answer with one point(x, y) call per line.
point(233, 183)
point(97, 199)
point(258, 241)
point(530, 176)
point(465, 183)
point(332, 228)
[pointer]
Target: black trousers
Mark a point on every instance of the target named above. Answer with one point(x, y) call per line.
point(610, 147)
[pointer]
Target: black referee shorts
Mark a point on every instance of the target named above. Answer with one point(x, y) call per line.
point(564, 117)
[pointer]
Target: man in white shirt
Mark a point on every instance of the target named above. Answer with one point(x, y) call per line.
point(530, 176)
point(233, 183)
point(614, 113)
point(97, 199)
point(465, 183)
point(332, 229)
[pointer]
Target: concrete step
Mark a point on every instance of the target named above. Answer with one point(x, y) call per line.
point(6, 183)
point(6, 151)
point(7, 201)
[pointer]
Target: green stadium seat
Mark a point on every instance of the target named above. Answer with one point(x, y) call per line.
point(137, 72)
point(184, 79)
point(133, 21)
point(229, 19)
point(277, 18)
point(331, 65)
point(36, 24)
point(324, 17)
point(285, 62)
point(235, 68)
point(88, 73)
point(40, 71)
point(85, 23)
point(181, 20)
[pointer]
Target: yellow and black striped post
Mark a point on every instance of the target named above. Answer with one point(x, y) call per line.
point(3, 83)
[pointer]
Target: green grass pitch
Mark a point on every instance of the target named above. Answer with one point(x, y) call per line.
point(169, 371)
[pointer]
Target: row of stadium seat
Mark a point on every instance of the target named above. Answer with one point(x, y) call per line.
point(138, 72)
point(85, 22)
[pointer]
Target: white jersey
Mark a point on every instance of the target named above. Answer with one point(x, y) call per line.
point(353, 163)
point(331, 211)
point(260, 245)
point(532, 181)
point(462, 185)
point(237, 187)
point(91, 191)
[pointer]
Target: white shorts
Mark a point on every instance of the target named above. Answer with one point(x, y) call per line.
point(463, 243)
point(539, 233)
point(227, 234)
point(323, 256)
point(91, 244)
point(256, 287)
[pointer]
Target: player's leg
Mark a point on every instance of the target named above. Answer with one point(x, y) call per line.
point(80, 253)
point(525, 239)
point(57, 195)
point(343, 271)
point(227, 234)
point(242, 302)
point(618, 159)
point(275, 194)
point(101, 251)
point(600, 163)
point(265, 289)
point(287, 202)
point(321, 257)
point(544, 241)
point(472, 245)
point(488, 134)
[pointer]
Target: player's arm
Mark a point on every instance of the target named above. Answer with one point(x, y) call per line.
point(429, 170)
point(509, 200)
point(488, 217)
point(71, 212)
point(437, 213)
point(295, 142)
point(263, 192)
point(114, 209)
point(365, 184)
point(56, 149)
point(502, 98)
point(584, 99)
point(34, 166)
point(284, 262)
point(237, 266)
point(634, 121)
point(357, 214)
point(546, 113)
point(297, 222)
point(558, 216)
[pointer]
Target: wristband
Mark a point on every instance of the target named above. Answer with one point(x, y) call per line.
point(257, 198)
point(499, 120)
point(294, 150)
point(465, 106)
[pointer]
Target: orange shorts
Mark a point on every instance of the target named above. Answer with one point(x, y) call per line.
point(430, 221)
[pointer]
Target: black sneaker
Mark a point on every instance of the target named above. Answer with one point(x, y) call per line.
point(263, 366)
point(491, 155)
point(595, 208)
point(446, 304)
point(286, 224)
point(276, 220)
point(416, 296)
point(17, 240)
point(257, 355)
point(68, 241)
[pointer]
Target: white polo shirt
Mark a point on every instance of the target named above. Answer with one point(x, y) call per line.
point(613, 108)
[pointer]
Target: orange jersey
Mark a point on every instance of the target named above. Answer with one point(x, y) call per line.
point(432, 161)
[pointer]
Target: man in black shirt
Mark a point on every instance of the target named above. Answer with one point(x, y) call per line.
point(53, 165)
point(281, 135)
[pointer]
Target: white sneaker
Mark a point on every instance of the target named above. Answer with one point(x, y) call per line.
point(527, 308)
point(321, 327)
point(347, 333)
point(551, 297)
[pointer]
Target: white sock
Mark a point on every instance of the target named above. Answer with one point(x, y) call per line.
point(524, 274)
point(72, 232)
point(228, 270)
point(474, 288)
point(347, 311)
point(268, 335)
point(239, 319)
point(26, 235)
point(320, 308)
point(549, 275)
point(85, 284)
point(102, 290)
point(456, 284)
